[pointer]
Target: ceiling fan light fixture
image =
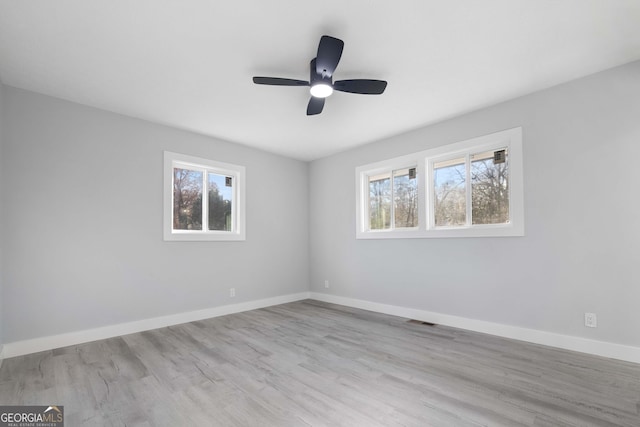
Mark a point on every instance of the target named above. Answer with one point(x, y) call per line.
point(321, 90)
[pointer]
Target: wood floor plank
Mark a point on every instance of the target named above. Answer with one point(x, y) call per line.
point(310, 363)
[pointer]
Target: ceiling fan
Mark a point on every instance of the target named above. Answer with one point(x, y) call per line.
point(321, 73)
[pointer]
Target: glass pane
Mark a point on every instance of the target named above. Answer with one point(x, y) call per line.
point(405, 198)
point(187, 199)
point(450, 201)
point(220, 202)
point(380, 202)
point(490, 187)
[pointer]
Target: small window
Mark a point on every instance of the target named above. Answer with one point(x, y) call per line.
point(467, 189)
point(204, 199)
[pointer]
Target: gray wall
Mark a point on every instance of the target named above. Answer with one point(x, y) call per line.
point(82, 232)
point(582, 243)
point(2, 322)
point(81, 226)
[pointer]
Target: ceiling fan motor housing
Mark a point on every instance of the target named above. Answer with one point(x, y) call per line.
point(315, 77)
point(321, 83)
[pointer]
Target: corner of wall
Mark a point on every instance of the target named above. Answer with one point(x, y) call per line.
point(309, 245)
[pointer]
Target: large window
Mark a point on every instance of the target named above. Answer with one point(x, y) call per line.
point(467, 189)
point(204, 199)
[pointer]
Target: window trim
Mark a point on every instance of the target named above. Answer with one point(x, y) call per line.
point(510, 139)
point(172, 160)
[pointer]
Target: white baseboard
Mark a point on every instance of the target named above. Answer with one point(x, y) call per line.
point(567, 342)
point(35, 345)
point(599, 348)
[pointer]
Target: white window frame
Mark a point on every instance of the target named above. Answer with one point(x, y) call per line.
point(238, 232)
point(510, 139)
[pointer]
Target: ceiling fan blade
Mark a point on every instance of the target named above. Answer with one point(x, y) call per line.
point(315, 106)
point(329, 53)
point(278, 81)
point(362, 86)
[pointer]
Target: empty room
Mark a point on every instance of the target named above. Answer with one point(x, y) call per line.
point(362, 213)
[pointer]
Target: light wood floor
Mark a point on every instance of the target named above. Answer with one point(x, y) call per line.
point(311, 363)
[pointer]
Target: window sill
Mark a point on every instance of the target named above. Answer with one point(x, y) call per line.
point(196, 236)
point(511, 230)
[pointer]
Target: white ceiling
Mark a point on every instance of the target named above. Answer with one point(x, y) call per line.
point(189, 63)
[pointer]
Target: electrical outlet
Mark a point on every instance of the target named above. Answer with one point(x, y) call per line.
point(326, 284)
point(590, 320)
point(232, 292)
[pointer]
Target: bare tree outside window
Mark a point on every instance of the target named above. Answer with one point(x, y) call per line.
point(380, 202)
point(220, 202)
point(489, 189)
point(471, 188)
point(450, 203)
point(187, 199)
point(204, 199)
point(405, 199)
